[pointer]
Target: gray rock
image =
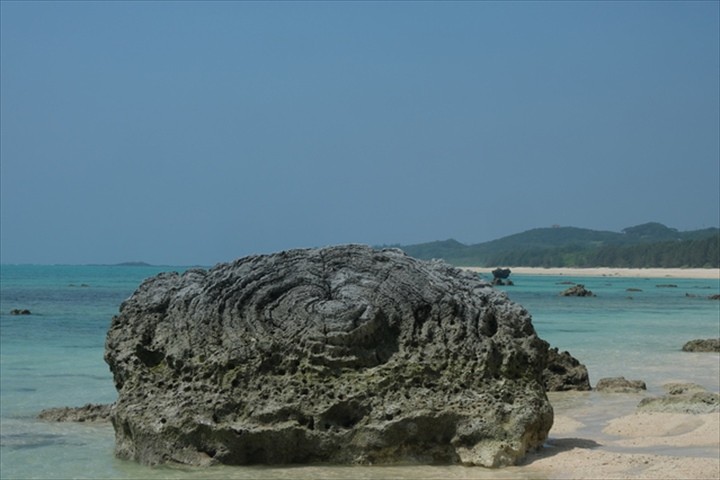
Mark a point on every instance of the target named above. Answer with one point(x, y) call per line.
point(564, 372)
point(682, 398)
point(702, 345)
point(343, 354)
point(87, 413)
point(578, 290)
point(683, 388)
point(501, 273)
point(619, 385)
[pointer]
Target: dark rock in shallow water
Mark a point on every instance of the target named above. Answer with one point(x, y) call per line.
point(342, 354)
point(564, 372)
point(577, 291)
point(702, 345)
point(682, 398)
point(619, 385)
point(501, 273)
point(88, 413)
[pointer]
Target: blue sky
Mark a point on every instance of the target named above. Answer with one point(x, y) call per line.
point(194, 133)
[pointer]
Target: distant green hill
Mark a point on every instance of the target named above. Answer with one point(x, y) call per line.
point(641, 246)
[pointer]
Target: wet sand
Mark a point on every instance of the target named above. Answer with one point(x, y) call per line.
point(634, 446)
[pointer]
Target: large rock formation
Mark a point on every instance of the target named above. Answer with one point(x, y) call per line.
point(342, 354)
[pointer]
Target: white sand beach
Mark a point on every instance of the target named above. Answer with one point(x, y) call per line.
point(708, 273)
point(570, 457)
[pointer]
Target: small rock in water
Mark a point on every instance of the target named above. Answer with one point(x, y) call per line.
point(87, 413)
point(702, 345)
point(619, 385)
point(578, 290)
point(682, 398)
point(564, 372)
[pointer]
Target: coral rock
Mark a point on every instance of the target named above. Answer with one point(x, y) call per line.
point(343, 354)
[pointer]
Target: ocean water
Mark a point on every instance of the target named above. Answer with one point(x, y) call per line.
point(54, 357)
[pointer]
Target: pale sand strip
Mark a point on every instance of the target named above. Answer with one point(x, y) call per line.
point(708, 273)
point(567, 456)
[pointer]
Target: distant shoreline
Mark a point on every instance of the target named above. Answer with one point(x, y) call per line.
point(705, 273)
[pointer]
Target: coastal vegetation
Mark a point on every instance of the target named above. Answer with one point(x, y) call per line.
point(651, 245)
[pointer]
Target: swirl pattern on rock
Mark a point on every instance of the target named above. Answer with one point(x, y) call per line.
point(344, 354)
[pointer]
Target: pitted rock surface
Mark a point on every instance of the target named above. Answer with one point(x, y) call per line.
point(565, 372)
point(343, 354)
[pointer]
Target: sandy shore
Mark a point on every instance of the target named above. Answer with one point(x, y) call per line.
point(711, 273)
point(623, 450)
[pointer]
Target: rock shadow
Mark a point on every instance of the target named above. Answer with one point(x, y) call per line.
point(554, 446)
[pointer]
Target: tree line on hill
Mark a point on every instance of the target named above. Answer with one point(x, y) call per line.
point(650, 245)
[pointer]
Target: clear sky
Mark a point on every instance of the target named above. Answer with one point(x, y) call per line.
point(195, 133)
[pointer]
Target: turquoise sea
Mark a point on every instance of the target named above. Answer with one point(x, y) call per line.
point(54, 357)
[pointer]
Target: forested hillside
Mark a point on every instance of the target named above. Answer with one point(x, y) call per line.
point(642, 246)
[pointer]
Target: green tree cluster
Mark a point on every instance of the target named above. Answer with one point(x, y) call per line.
point(644, 246)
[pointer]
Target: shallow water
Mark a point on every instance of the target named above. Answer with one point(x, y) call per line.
point(54, 358)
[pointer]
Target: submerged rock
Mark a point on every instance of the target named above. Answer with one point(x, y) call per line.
point(702, 345)
point(564, 372)
point(343, 354)
point(619, 385)
point(87, 413)
point(682, 398)
point(578, 290)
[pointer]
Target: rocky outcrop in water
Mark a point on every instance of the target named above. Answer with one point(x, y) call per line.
point(87, 413)
point(620, 385)
point(564, 372)
point(577, 291)
point(502, 273)
point(500, 277)
point(702, 345)
point(682, 398)
point(342, 354)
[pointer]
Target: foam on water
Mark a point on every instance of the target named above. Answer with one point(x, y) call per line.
point(54, 357)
